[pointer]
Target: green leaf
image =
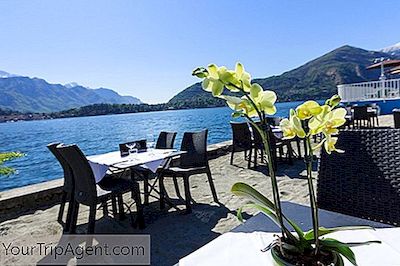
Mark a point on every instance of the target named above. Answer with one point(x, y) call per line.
point(309, 235)
point(261, 208)
point(236, 114)
point(244, 190)
point(356, 244)
point(342, 248)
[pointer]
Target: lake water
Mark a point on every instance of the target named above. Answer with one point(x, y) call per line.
point(100, 134)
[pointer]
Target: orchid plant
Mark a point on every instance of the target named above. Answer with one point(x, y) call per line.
point(249, 100)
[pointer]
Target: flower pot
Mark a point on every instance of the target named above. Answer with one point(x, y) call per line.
point(325, 258)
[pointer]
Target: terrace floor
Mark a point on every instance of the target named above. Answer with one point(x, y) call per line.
point(173, 234)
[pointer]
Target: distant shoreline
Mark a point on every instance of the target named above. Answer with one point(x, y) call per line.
point(18, 117)
point(98, 110)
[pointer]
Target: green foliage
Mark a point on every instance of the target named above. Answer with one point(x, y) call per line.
point(6, 157)
point(105, 109)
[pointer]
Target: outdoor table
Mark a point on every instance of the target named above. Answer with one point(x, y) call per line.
point(150, 159)
point(243, 245)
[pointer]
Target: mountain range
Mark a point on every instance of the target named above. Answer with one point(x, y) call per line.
point(25, 94)
point(316, 79)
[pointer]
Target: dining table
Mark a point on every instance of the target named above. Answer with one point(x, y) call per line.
point(245, 244)
point(116, 163)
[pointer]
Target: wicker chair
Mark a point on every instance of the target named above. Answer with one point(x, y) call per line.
point(276, 145)
point(361, 117)
point(193, 161)
point(166, 140)
point(241, 140)
point(396, 117)
point(365, 180)
point(141, 145)
point(67, 189)
point(88, 193)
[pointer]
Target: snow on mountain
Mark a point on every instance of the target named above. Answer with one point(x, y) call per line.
point(4, 74)
point(71, 85)
point(393, 49)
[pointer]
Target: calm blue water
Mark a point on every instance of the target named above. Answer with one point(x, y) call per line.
point(100, 134)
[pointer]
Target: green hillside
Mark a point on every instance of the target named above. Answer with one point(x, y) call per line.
point(316, 79)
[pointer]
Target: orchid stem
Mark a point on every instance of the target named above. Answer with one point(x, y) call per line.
point(314, 207)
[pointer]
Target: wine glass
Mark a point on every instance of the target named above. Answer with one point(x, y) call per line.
point(132, 147)
point(150, 142)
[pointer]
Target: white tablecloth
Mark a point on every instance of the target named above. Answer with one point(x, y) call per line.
point(237, 248)
point(152, 159)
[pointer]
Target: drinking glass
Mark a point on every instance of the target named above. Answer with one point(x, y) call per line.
point(150, 142)
point(132, 149)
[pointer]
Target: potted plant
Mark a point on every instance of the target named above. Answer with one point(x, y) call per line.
point(293, 246)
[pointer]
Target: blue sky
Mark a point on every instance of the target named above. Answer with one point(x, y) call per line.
point(148, 48)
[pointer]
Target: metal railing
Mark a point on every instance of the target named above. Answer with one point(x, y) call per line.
point(371, 90)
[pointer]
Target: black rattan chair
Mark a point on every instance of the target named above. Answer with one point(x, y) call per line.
point(140, 145)
point(166, 140)
point(396, 118)
point(67, 189)
point(193, 161)
point(361, 117)
point(364, 181)
point(88, 193)
point(276, 145)
point(241, 140)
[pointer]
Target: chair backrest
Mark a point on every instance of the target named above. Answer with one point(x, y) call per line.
point(273, 120)
point(195, 145)
point(241, 135)
point(166, 140)
point(68, 178)
point(363, 181)
point(258, 141)
point(85, 184)
point(141, 145)
point(396, 117)
point(360, 113)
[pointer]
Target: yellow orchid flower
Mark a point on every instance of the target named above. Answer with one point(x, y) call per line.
point(235, 103)
point(265, 100)
point(333, 101)
point(238, 79)
point(328, 121)
point(329, 145)
point(308, 109)
point(292, 127)
point(211, 82)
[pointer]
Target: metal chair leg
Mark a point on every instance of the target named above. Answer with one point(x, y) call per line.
point(146, 188)
point(69, 213)
point(121, 211)
point(178, 193)
point(162, 191)
point(139, 207)
point(187, 194)
point(211, 182)
point(114, 205)
point(105, 208)
point(62, 207)
point(92, 219)
point(74, 217)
